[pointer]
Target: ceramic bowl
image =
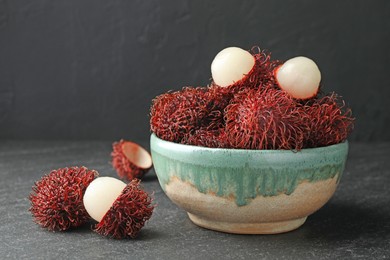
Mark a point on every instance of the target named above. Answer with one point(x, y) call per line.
point(248, 191)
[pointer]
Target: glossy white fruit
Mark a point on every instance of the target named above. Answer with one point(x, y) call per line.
point(231, 65)
point(100, 195)
point(299, 77)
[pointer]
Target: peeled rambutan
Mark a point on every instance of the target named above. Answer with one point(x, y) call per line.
point(230, 65)
point(261, 74)
point(128, 213)
point(207, 138)
point(300, 77)
point(331, 121)
point(57, 199)
point(174, 114)
point(265, 119)
point(130, 160)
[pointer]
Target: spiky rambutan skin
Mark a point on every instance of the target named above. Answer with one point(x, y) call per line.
point(265, 119)
point(123, 166)
point(57, 199)
point(331, 121)
point(216, 100)
point(175, 114)
point(262, 73)
point(128, 214)
point(207, 138)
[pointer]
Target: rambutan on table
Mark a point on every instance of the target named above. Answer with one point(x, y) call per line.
point(354, 224)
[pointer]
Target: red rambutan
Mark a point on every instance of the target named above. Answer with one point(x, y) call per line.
point(175, 114)
point(207, 138)
point(128, 213)
point(265, 119)
point(57, 199)
point(330, 121)
point(216, 100)
point(130, 160)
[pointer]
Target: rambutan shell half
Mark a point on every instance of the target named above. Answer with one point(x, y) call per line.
point(130, 160)
point(57, 198)
point(128, 214)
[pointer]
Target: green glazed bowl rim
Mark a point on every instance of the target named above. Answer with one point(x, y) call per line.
point(250, 158)
point(233, 150)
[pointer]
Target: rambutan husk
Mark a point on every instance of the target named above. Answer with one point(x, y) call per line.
point(57, 199)
point(128, 214)
point(130, 160)
point(265, 118)
point(331, 121)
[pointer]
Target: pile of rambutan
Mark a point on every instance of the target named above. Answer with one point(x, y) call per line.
point(272, 105)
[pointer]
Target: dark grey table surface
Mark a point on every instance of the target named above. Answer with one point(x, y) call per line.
point(354, 224)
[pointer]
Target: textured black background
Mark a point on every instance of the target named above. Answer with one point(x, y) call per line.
point(89, 69)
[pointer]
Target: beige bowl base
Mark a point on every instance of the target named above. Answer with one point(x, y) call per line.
point(248, 228)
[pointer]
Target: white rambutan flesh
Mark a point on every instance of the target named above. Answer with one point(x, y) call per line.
point(300, 77)
point(100, 195)
point(231, 65)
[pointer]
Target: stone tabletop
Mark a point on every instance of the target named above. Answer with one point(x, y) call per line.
point(354, 224)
